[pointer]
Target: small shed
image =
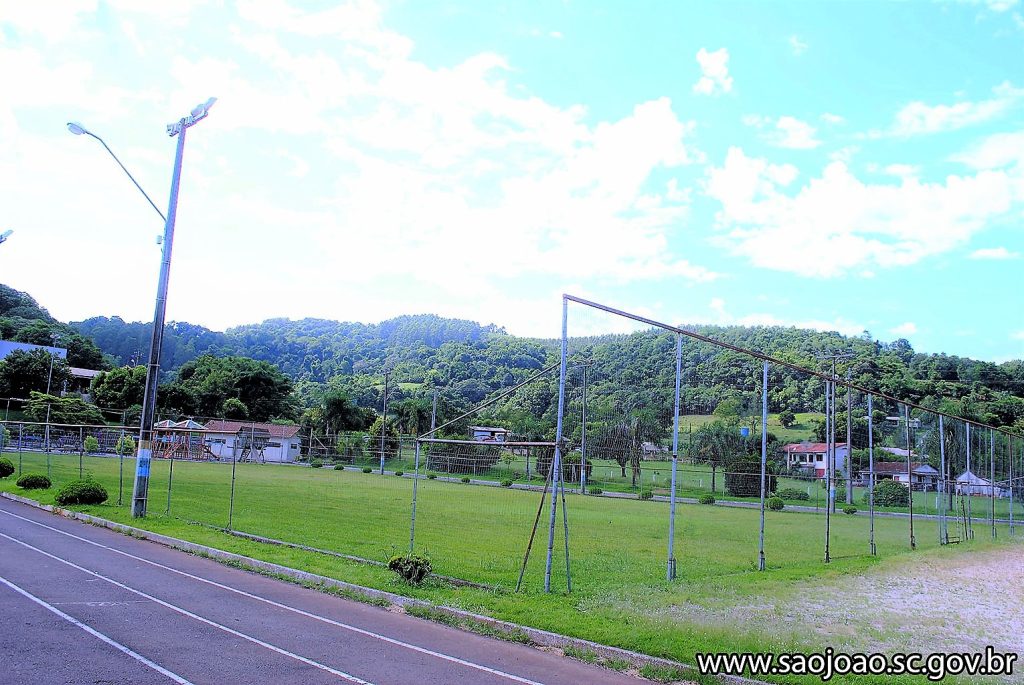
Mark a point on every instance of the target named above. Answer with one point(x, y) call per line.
point(922, 476)
point(487, 434)
point(272, 442)
point(970, 483)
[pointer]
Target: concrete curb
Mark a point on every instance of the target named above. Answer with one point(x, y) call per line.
point(540, 638)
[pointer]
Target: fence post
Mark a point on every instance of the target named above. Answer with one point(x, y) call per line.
point(21, 427)
point(992, 478)
point(943, 535)
point(871, 477)
point(170, 481)
point(764, 462)
point(556, 465)
point(120, 467)
point(583, 436)
point(415, 482)
point(1009, 449)
point(671, 571)
point(81, 449)
point(968, 523)
point(231, 500)
point(829, 487)
point(910, 476)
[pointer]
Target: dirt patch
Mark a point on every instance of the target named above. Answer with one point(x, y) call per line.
point(936, 603)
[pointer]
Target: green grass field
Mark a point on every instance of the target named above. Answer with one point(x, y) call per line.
point(479, 533)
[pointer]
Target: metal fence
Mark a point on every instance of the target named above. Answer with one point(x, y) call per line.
point(648, 454)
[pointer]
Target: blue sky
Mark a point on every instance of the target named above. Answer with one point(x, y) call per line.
point(844, 166)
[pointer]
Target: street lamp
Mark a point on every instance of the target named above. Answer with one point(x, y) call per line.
point(5, 235)
point(145, 453)
point(78, 130)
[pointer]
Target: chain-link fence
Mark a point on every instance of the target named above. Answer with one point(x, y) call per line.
point(647, 452)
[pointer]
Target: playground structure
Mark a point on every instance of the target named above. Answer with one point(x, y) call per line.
point(249, 444)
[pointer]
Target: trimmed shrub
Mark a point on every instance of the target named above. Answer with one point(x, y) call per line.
point(793, 494)
point(706, 498)
point(465, 479)
point(506, 483)
point(412, 567)
point(91, 444)
point(595, 491)
point(431, 476)
point(851, 510)
point(367, 469)
point(82, 492)
point(399, 473)
point(775, 504)
point(646, 493)
point(6, 467)
point(316, 463)
point(889, 493)
point(125, 446)
point(34, 481)
point(339, 467)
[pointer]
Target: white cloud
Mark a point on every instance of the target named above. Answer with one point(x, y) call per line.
point(833, 119)
point(44, 19)
point(992, 5)
point(904, 329)
point(844, 154)
point(723, 317)
point(714, 67)
point(1019, 335)
point(786, 131)
point(836, 224)
point(917, 118)
point(902, 170)
point(995, 151)
point(436, 187)
point(997, 253)
point(798, 46)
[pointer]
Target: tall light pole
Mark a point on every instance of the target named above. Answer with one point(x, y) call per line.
point(5, 235)
point(141, 488)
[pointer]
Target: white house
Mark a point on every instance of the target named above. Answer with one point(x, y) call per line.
point(811, 455)
point(969, 483)
point(487, 434)
point(922, 476)
point(228, 439)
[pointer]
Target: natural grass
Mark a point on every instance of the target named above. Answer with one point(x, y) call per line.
point(479, 533)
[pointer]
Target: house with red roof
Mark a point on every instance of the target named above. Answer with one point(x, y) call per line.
point(808, 456)
point(253, 441)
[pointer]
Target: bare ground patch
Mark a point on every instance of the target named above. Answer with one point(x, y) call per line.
point(959, 602)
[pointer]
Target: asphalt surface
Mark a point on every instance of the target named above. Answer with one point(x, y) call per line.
point(80, 604)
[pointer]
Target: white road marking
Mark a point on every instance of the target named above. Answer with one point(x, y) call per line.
point(323, 619)
point(95, 633)
point(186, 612)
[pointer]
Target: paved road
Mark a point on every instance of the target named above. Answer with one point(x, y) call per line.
point(80, 604)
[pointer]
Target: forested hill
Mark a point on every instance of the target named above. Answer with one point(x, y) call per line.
point(309, 349)
point(475, 361)
point(23, 320)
